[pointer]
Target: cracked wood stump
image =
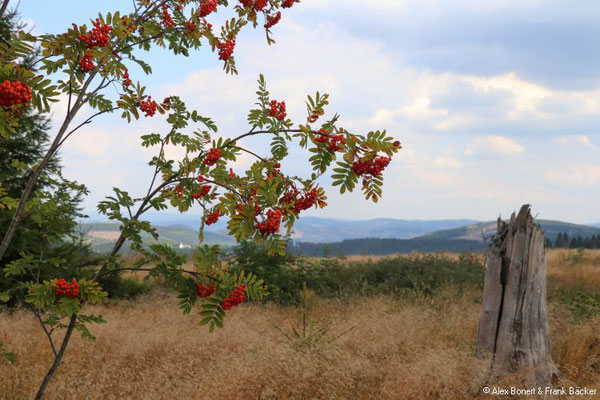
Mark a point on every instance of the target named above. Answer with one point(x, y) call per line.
point(513, 327)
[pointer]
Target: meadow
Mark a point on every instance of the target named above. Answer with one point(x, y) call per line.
point(378, 343)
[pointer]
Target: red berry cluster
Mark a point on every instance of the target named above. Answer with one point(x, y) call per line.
point(226, 49)
point(15, 92)
point(256, 4)
point(272, 20)
point(231, 173)
point(241, 208)
point(289, 197)
point(86, 63)
point(289, 3)
point(64, 288)
point(203, 192)
point(204, 291)
point(148, 107)
point(191, 26)
point(207, 7)
point(97, 37)
point(307, 201)
point(373, 166)
point(277, 109)
point(260, 4)
point(336, 141)
point(213, 217)
point(271, 225)
point(274, 172)
point(166, 19)
point(322, 137)
point(333, 142)
point(234, 298)
point(212, 157)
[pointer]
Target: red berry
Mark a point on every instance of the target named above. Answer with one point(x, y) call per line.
point(212, 157)
point(289, 3)
point(374, 166)
point(191, 26)
point(277, 109)
point(272, 20)
point(97, 37)
point(260, 4)
point(213, 217)
point(14, 92)
point(204, 291)
point(271, 225)
point(226, 49)
point(207, 7)
point(234, 298)
point(64, 288)
point(148, 107)
point(86, 63)
point(165, 17)
point(203, 192)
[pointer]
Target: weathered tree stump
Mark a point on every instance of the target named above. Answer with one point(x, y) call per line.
point(513, 327)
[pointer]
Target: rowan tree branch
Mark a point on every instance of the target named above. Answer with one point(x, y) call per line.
point(3, 7)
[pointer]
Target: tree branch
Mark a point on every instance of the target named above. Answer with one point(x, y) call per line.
point(48, 334)
point(57, 358)
point(3, 7)
point(87, 121)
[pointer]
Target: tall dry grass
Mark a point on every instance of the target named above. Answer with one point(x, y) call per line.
point(410, 348)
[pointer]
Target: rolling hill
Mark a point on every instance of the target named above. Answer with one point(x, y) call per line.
point(377, 236)
point(483, 230)
point(103, 235)
point(315, 229)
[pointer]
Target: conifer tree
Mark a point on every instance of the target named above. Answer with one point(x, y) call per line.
point(49, 229)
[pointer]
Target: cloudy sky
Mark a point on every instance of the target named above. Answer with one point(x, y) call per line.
point(496, 102)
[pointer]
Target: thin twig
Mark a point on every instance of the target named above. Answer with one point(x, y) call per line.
point(48, 333)
point(87, 121)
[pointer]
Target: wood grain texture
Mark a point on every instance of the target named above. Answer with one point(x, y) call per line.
point(513, 326)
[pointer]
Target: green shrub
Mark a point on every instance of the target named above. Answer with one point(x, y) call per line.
point(119, 287)
point(581, 303)
point(284, 284)
point(287, 275)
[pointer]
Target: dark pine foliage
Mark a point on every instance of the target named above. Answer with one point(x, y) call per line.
point(47, 244)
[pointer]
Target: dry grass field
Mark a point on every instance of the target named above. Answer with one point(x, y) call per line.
point(393, 348)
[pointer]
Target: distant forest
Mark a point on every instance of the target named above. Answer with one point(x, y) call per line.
point(376, 246)
point(563, 241)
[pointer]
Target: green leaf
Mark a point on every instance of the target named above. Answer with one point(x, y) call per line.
point(7, 355)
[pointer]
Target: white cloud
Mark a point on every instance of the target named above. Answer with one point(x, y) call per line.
point(420, 109)
point(438, 116)
point(447, 162)
point(90, 142)
point(581, 175)
point(583, 140)
point(493, 145)
point(526, 95)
